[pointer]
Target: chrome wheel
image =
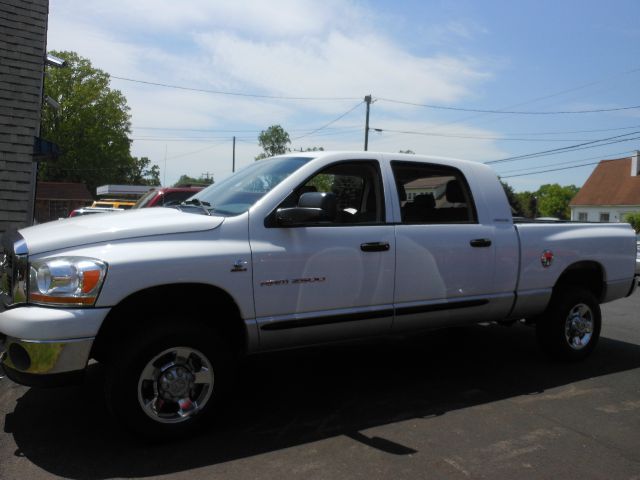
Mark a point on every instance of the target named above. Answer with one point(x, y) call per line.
point(175, 385)
point(578, 327)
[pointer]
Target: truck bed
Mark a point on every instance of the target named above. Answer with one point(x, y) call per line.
point(568, 245)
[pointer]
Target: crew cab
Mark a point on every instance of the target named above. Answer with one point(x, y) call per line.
point(294, 250)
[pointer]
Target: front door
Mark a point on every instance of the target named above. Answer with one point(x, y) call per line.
point(327, 280)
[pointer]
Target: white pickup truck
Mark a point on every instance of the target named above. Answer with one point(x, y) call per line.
point(294, 250)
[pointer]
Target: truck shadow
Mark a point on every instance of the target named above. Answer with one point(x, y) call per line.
point(290, 399)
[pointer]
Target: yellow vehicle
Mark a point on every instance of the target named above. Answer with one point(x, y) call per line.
point(113, 203)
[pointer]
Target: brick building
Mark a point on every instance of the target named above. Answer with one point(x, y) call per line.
point(23, 36)
point(57, 199)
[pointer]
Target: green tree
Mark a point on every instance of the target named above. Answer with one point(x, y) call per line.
point(143, 173)
point(528, 204)
point(187, 180)
point(322, 182)
point(91, 127)
point(634, 220)
point(274, 141)
point(553, 200)
point(514, 202)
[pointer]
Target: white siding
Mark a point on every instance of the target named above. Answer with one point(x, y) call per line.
point(23, 30)
point(616, 212)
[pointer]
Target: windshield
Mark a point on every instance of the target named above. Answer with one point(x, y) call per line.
point(236, 194)
point(145, 199)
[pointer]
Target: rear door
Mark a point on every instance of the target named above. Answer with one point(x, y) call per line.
point(445, 258)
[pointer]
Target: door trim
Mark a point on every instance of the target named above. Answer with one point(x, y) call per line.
point(315, 321)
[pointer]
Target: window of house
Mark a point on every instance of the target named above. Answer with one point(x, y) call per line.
point(582, 216)
point(604, 217)
point(433, 194)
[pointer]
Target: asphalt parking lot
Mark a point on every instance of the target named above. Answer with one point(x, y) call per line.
point(479, 402)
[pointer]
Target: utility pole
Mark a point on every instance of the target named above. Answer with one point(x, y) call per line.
point(164, 170)
point(207, 176)
point(233, 166)
point(367, 99)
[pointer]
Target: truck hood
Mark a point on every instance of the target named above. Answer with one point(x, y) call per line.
point(106, 227)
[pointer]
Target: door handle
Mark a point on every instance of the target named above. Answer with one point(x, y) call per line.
point(480, 242)
point(375, 247)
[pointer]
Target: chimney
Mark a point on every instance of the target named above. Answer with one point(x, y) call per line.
point(635, 164)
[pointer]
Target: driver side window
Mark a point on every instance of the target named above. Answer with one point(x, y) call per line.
point(357, 188)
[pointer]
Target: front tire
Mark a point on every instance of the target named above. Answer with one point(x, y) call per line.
point(570, 327)
point(169, 381)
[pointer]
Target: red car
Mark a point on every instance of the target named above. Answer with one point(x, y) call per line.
point(165, 196)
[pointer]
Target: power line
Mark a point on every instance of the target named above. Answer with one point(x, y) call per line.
point(182, 129)
point(599, 157)
point(481, 111)
point(575, 131)
point(331, 122)
point(514, 112)
point(187, 139)
point(344, 132)
point(214, 130)
point(145, 138)
point(250, 139)
point(550, 170)
point(245, 141)
point(195, 151)
point(568, 148)
point(236, 94)
point(477, 137)
point(574, 150)
point(180, 139)
point(355, 127)
point(545, 97)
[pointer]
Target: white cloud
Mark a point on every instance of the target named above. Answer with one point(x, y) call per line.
point(341, 65)
point(277, 18)
point(332, 62)
point(179, 109)
point(285, 47)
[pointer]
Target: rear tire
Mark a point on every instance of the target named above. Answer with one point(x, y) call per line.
point(169, 380)
point(570, 327)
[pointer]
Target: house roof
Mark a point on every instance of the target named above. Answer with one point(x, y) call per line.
point(426, 182)
point(62, 191)
point(610, 183)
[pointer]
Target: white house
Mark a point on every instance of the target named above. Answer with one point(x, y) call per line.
point(611, 192)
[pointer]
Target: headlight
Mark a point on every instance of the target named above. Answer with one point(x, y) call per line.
point(66, 281)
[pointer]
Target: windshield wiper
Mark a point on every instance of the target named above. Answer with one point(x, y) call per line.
point(199, 203)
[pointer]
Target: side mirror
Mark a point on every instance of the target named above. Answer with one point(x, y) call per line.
point(312, 207)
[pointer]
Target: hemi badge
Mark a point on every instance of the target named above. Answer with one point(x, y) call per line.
point(239, 266)
point(546, 258)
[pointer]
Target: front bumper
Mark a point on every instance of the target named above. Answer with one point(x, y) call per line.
point(40, 346)
point(48, 363)
point(48, 357)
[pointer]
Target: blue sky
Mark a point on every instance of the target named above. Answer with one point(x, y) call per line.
point(533, 56)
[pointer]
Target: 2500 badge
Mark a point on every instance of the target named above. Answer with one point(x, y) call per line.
point(294, 281)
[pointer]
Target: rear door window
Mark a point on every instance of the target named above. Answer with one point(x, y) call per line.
point(433, 194)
